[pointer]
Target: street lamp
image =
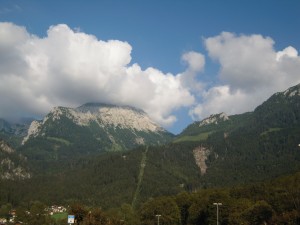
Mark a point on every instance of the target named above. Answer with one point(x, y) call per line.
point(217, 204)
point(157, 218)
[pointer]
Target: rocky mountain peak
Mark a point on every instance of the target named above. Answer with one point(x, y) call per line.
point(94, 107)
point(214, 119)
point(293, 91)
point(116, 116)
point(110, 120)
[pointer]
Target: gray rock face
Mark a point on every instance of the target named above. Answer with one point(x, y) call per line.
point(117, 124)
point(12, 165)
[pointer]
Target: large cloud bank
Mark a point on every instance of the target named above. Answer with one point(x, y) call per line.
point(70, 68)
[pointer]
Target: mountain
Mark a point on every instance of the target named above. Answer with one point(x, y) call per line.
point(4, 126)
point(19, 128)
point(214, 119)
point(248, 147)
point(12, 165)
point(281, 109)
point(13, 133)
point(120, 127)
point(91, 128)
point(219, 151)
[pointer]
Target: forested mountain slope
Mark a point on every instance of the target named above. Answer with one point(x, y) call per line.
point(220, 151)
point(92, 128)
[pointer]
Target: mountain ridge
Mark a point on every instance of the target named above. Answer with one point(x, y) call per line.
point(250, 147)
point(93, 128)
point(103, 114)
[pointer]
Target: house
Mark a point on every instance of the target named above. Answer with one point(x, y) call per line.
point(3, 221)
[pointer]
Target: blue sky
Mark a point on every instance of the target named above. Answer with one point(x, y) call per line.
point(158, 35)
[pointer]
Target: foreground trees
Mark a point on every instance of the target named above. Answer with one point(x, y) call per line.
point(96, 216)
point(165, 208)
point(275, 203)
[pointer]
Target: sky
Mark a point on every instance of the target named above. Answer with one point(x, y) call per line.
point(178, 60)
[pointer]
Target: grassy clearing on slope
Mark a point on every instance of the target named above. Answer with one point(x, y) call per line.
point(275, 129)
point(140, 178)
point(199, 137)
point(60, 140)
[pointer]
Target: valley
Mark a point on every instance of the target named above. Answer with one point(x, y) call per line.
point(105, 157)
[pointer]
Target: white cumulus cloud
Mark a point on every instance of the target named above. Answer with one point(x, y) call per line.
point(195, 63)
point(250, 71)
point(69, 68)
point(287, 52)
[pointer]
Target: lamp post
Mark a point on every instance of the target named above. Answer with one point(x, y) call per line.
point(90, 217)
point(157, 218)
point(217, 204)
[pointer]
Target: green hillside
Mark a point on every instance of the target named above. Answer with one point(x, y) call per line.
point(66, 134)
point(241, 149)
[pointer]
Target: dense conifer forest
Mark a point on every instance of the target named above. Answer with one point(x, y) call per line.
point(273, 202)
point(249, 162)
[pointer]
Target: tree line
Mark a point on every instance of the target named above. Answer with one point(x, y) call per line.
point(275, 202)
